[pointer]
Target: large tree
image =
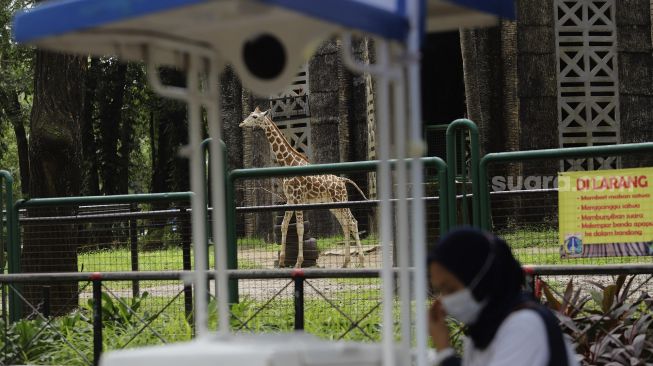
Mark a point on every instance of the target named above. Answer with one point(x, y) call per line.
point(55, 171)
point(168, 134)
point(110, 96)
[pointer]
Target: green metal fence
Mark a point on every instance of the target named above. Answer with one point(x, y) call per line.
point(7, 220)
point(463, 160)
point(7, 230)
point(519, 197)
point(142, 232)
point(99, 227)
point(247, 250)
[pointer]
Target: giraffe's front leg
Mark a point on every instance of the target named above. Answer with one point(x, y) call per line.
point(299, 216)
point(284, 233)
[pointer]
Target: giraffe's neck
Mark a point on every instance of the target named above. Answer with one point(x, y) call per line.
point(284, 153)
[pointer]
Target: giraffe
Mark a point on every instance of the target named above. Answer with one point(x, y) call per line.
point(306, 189)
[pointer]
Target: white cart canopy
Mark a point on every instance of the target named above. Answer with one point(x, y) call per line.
point(124, 27)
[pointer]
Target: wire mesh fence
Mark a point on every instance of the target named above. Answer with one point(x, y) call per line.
point(329, 228)
point(106, 238)
point(104, 314)
point(71, 236)
point(74, 336)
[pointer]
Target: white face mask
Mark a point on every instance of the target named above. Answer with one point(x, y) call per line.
point(461, 305)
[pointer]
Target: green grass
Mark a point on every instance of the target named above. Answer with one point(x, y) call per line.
point(52, 347)
point(539, 245)
point(335, 242)
point(530, 237)
point(119, 259)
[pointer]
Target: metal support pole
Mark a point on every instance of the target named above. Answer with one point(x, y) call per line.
point(299, 278)
point(415, 10)
point(218, 195)
point(46, 301)
point(184, 223)
point(402, 241)
point(133, 247)
point(200, 62)
point(97, 319)
point(384, 190)
point(463, 124)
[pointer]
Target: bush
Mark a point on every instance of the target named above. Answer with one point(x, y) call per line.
point(610, 324)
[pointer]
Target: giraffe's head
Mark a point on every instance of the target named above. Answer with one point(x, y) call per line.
point(255, 119)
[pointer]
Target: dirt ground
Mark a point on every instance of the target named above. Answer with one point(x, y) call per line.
point(263, 290)
point(332, 258)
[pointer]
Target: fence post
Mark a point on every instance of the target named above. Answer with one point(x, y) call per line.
point(13, 247)
point(298, 297)
point(184, 224)
point(207, 181)
point(46, 301)
point(451, 163)
point(232, 237)
point(96, 278)
point(133, 245)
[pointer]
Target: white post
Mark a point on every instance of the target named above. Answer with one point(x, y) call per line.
point(417, 149)
point(384, 184)
point(198, 59)
point(403, 235)
point(197, 186)
point(218, 203)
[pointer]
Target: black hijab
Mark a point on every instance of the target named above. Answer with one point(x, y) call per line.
point(463, 252)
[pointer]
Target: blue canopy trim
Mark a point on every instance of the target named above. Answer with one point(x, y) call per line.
point(61, 17)
point(352, 14)
point(502, 8)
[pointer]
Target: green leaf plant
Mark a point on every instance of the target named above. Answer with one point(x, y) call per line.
point(609, 324)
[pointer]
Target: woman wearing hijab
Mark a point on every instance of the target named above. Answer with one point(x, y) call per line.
point(480, 285)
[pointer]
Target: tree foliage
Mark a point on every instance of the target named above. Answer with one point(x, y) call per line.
point(15, 96)
point(129, 136)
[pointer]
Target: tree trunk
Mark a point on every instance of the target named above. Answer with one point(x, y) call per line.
point(110, 103)
point(232, 115)
point(328, 138)
point(55, 171)
point(490, 72)
point(482, 66)
point(90, 178)
point(170, 172)
point(11, 106)
point(257, 153)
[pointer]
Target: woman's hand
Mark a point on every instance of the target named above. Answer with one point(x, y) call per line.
point(438, 326)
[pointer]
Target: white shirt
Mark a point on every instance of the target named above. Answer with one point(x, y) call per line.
point(521, 340)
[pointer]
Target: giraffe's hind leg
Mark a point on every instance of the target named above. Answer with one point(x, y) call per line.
point(353, 225)
point(284, 233)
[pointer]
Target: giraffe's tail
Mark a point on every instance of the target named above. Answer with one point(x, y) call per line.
point(347, 180)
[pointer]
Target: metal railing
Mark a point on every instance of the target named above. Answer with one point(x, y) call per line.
point(316, 169)
point(452, 145)
point(299, 289)
point(562, 153)
point(61, 222)
point(101, 294)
